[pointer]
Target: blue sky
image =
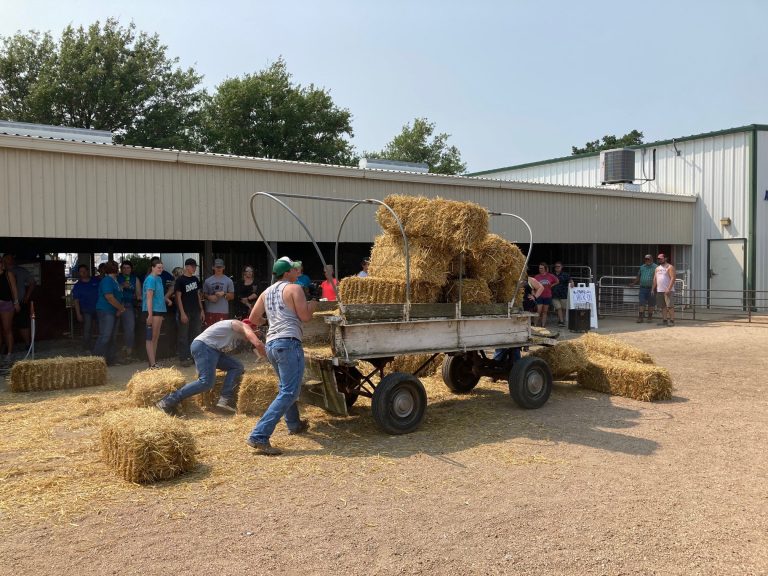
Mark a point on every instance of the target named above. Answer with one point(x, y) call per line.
point(512, 82)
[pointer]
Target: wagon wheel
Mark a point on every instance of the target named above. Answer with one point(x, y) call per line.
point(458, 374)
point(399, 403)
point(530, 382)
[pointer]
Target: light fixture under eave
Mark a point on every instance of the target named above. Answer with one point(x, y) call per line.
point(725, 222)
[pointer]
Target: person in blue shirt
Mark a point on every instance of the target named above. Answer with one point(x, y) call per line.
point(85, 293)
point(131, 288)
point(109, 307)
point(153, 303)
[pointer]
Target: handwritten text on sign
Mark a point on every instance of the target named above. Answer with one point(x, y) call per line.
point(581, 298)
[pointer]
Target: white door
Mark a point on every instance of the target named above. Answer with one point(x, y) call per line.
point(726, 273)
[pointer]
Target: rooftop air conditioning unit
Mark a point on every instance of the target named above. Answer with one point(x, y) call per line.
point(617, 166)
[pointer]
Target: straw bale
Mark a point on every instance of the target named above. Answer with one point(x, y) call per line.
point(608, 346)
point(144, 445)
point(495, 257)
point(429, 262)
point(564, 358)
point(354, 290)
point(409, 363)
point(146, 387)
point(58, 374)
point(646, 382)
point(207, 400)
point(505, 289)
point(257, 390)
point(449, 223)
point(473, 291)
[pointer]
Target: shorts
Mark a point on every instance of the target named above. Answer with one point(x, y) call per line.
point(144, 315)
point(6, 306)
point(544, 301)
point(560, 303)
point(646, 297)
point(21, 319)
point(669, 298)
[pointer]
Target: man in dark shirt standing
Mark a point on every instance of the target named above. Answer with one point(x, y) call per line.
point(190, 306)
point(560, 292)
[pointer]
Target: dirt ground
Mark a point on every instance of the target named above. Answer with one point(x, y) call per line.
point(588, 484)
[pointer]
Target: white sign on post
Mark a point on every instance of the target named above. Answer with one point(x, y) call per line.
point(582, 296)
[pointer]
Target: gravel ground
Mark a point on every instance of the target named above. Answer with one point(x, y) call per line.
point(589, 484)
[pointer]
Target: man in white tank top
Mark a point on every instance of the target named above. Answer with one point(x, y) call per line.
point(286, 307)
point(664, 285)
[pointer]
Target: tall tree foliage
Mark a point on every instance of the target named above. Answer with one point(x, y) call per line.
point(104, 77)
point(267, 115)
point(413, 144)
point(631, 139)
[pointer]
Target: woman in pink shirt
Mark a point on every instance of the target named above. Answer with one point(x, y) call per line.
point(544, 301)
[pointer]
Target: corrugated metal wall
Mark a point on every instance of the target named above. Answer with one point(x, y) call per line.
point(714, 169)
point(75, 190)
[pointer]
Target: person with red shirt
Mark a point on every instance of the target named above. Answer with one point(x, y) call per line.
point(326, 287)
point(544, 301)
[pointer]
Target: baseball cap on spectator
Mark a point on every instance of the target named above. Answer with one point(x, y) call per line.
point(190, 262)
point(647, 257)
point(218, 263)
point(284, 265)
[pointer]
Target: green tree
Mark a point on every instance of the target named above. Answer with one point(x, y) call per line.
point(104, 77)
point(413, 144)
point(631, 139)
point(268, 116)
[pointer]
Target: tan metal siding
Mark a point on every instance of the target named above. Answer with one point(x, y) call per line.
point(82, 192)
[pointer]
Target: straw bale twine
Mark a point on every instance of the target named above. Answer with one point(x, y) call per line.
point(409, 363)
point(473, 291)
point(144, 445)
point(607, 346)
point(429, 262)
point(493, 258)
point(451, 224)
point(257, 390)
point(564, 358)
point(354, 290)
point(57, 374)
point(146, 387)
point(637, 380)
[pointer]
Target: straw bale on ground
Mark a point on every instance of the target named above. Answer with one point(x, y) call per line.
point(451, 224)
point(473, 291)
point(608, 346)
point(146, 387)
point(144, 445)
point(409, 363)
point(354, 290)
point(58, 374)
point(429, 262)
point(564, 358)
point(495, 257)
point(207, 400)
point(646, 382)
point(257, 390)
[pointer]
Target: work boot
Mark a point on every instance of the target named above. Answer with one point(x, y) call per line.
point(226, 405)
point(264, 448)
point(165, 407)
point(303, 427)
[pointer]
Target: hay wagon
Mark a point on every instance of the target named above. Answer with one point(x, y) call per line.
point(373, 335)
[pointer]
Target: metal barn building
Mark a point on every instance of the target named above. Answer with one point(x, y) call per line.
point(726, 172)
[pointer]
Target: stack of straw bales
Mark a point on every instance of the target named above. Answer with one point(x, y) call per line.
point(144, 445)
point(446, 239)
point(146, 387)
point(608, 365)
point(58, 374)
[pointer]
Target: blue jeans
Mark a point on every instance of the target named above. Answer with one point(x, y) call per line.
point(501, 354)
point(207, 359)
point(87, 329)
point(105, 343)
point(287, 358)
point(128, 322)
point(187, 333)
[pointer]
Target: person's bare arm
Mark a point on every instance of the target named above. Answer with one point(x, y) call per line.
point(250, 335)
point(180, 307)
point(303, 309)
point(653, 285)
point(112, 300)
point(672, 276)
point(536, 286)
point(78, 315)
point(137, 292)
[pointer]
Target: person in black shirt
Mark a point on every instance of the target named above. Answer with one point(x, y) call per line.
point(246, 293)
point(190, 307)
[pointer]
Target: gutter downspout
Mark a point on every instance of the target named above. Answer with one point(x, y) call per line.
point(752, 248)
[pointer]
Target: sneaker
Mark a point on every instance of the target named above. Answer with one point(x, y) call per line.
point(156, 366)
point(167, 408)
point(226, 405)
point(303, 427)
point(264, 448)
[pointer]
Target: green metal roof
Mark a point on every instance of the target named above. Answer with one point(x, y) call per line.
point(748, 128)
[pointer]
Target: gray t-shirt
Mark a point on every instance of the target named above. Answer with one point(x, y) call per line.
point(23, 279)
point(215, 284)
point(222, 337)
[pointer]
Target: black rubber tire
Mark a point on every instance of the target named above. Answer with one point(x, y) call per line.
point(530, 382)
point(457, 373)
point(399, 403)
